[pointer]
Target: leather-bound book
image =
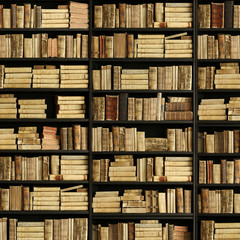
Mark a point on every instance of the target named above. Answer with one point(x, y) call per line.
point(123, 109)
point(217, 15)
point(112, 106)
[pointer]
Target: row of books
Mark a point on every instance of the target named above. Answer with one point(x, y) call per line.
point(44, 76)
point(19, 198)
point(218, 201)
point(226, 141)
point(216, 109)
point(227, 77)
point(54, 167)
point(130, 139)
point(219, 230)
point(70, 138)
point(153, 78)
point(147, 169)
point(116, 107)
point(177, 200)
point(123, 45)
point(218, 15)
point(41, 46)
point(73, 15)
point(145, 229)
point(69, 228)
point(222, 46)
point(219, 173)
point(158, 15)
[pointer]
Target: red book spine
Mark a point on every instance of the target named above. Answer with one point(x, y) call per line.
point(217, 15)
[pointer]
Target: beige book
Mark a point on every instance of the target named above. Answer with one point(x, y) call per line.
point(134, 204)
point(137, 87)
point(73, 162)
point(46, 198)
point(74, 194)
point(83, 85)
point(75, 177)
point(42, 85)
point(45, 194)
point(148, 234)
point(74, 67)
point(179, 51)
point(32, 115)
point(44, 208)
point(134, 82)
point(52, 16)
point(213, 118)
point(212, 112)
point(123, 179)
point(73, 199)
point(54, 21)
point(122, 174)
point(46, 189)
point(134, 76)
point(178, 55)
point(227, 86)
point(18, 81)
point(106, 205)
point(134, 210)
point(8, 115)
point(151, 50)
point(176, 35)
point(76, 167)
point(150, 55)
point(82, 115)
point(18, 69)
point(46, 81)
point(18, 76)
point(71, 208)
point(107, 210)
point(30, 229)
point(106, 199)
point(122, 169)
point(150, 46)
point(15, 85)
point(212, 106)
point(212, 101)
point(45, 203)
point(104, 193)
point(132, 198)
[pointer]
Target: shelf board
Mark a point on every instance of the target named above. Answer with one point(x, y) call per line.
point(218, 30)
point(42, 182)
point(30, 90)
point(142, 60)
point(219, 215)
point(218, 123)
point(217, 60)
point(129, 122)
point(175, 216)
point(145, 91)
point(222, 185)
point(165, 153)
point(44, 151)
point(142, 30)
point(218, 90)
point(44, 120)
point(34, 213)
point(43, 60)
point(218, 155)
point(143, 183)
point(40, 30)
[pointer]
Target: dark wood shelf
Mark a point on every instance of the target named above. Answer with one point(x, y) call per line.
point(141, 30)
point(46, 213)
point(42, 182)
point(43, 152)
point(142, 60)
point(37, 90)
point(222, 185)
point(144, 91)
point(167, 153)
point(218, 123)
point(43, 30)
point(218, 30)
point(129, 122)
point(218, 91)
point(47, 120)
point(123, 216)
point(210, 61)
point(44, 60)
point(143, 183)
point(218, 155)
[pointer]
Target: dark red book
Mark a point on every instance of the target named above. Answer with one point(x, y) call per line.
point(112, 106)
point(217, 15)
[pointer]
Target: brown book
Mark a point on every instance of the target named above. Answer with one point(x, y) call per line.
point(120, 45)
point(69, 138)
point(221, 45)
point(179, 197)
point(150, 15)
point(122, 15)
point(112, 107)
point(204, 196)
point(64, 138)
point(116, 140)
point(27, 15)
point(98, 16)
point(130, 45)
point(217, 15)
point(204, 14)
point(108, 15)
point(13, 15)
point(131, 231)
point(77, 137)
point(26, 200)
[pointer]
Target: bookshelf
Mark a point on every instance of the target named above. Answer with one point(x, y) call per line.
point(153, 128)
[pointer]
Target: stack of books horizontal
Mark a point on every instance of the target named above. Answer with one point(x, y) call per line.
point(8, 139)
point(178, 15)
point(134, 79)
point(18, 77)
point(55, 18)
point(104, 202)
point(122, 169)
point(148, 229)
point(79, 15)
point(4, 228)
point(149, 46)
point(74, 200)
point(45, 198)
point(178, 169)
point(8, 106)
point(28, 139)
point(212, 109)
point(233, 109)
point(224, 230)
point(74, 167)
point(45, 78)
point(30, 230)
point(74, 76)
point(32, 108)
point(102, 79)
point(179, 108)
point(227, 76)
point(50, 139)
point(70, 106)
point(178, 48)
point(133, 201)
